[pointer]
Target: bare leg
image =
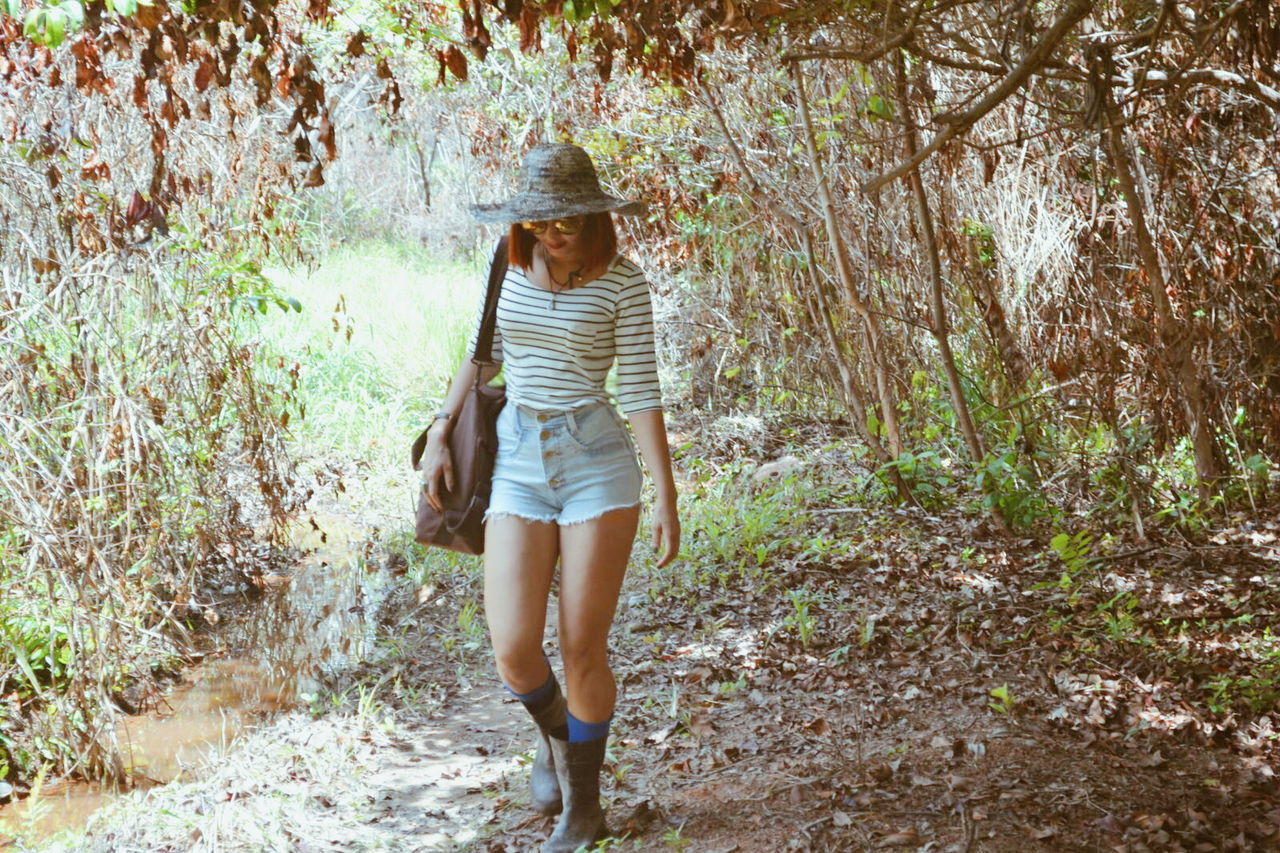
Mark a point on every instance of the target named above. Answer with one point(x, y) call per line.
point(519, 559)
point(593, 561)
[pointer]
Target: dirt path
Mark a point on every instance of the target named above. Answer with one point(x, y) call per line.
point(942, 699)
point(884, 688)
point(436, 773)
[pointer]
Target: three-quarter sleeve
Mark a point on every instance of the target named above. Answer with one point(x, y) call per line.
point(638, 387)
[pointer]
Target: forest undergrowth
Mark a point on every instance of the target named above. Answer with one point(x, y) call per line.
point(821, 673)
point(821, 670)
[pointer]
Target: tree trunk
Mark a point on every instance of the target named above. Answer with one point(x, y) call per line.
point(424, 167)
point(854, 396)
point(1175, 341)
point(938, 324)
point(884, 384)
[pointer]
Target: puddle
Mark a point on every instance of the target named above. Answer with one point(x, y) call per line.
point(271, 658)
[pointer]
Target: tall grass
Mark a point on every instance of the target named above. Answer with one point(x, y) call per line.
point(382, 328)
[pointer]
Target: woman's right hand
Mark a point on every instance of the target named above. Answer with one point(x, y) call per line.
point(437, 468)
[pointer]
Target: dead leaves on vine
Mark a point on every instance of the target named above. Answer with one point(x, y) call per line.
point(177, 60)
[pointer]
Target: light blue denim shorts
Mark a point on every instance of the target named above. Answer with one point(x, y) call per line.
point(564, 467)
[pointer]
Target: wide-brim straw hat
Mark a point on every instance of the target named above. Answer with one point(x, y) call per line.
point(556, 181)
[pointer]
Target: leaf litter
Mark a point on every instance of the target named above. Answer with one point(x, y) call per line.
point(878, 679)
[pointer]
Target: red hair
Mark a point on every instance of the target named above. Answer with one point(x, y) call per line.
point(598, 238)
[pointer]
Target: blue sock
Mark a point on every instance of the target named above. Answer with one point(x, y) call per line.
point(580, 732)
point(537, 699)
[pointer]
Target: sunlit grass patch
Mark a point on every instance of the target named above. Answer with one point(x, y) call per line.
point(382, 328)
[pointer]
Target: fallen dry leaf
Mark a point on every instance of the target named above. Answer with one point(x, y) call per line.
point(1043, 833)
point(901, 837)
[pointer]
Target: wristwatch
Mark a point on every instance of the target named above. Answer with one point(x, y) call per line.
point(441, 416)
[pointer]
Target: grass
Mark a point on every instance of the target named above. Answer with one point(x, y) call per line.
point(381, 330)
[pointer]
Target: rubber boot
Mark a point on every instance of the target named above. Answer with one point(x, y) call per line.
point(544, 785)
point(582, 821)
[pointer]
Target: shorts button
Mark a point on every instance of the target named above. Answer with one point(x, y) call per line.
point(548, 454)
point(542, 419)
point(553, 482)
point(545, 434)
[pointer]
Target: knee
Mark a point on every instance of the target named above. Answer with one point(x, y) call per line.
point(582, 658)
point(521, 669)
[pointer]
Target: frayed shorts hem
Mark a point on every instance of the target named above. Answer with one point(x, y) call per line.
point(557, 520)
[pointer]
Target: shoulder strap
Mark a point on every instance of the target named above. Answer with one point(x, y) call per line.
point(484, 338)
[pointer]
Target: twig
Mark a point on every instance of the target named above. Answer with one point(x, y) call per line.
point(1124, 555)
point(1072, 15)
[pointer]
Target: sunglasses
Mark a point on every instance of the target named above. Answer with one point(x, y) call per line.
point(569, 226)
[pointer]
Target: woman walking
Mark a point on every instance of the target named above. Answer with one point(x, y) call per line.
point(566, 484)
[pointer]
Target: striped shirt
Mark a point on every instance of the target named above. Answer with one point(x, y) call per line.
point(557, 348)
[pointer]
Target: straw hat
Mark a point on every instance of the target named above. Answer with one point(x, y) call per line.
point(556, 181)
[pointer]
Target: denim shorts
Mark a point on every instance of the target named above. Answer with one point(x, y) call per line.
point(564, 467)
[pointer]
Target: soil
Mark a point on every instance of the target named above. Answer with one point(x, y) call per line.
point(985, 710)
point(924, 683)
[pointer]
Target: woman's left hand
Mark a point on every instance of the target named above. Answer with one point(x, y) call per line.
point(666, 532)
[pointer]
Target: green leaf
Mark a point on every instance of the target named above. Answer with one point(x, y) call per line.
point(74, 11)
point(879, 107)
point(1059, 542)
point(11, 7)
point(732, 372)
point(21, 657)
point(32, 24)
point(55, 27)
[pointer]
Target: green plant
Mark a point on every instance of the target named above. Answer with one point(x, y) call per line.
point(1075, 552)
point(471, 624)
point(928, 472)
point(1003, 701)
point(727, 688)
point(1008, 487)
point(36, 641)
point(1186, 511)
point(1117, 616)
point(674, 838)
point(840, 655)
point(868, 632)
point(801, 619)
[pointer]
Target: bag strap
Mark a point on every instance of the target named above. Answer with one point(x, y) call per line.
point(483, 354)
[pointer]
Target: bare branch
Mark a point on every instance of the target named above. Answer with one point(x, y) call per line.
point(1074, 12)
point(758, 193)
point(1212, 77)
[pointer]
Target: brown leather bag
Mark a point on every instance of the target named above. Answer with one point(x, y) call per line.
point(473, 443)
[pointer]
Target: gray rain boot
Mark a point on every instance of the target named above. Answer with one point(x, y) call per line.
point(582, 822)
point(544, 785)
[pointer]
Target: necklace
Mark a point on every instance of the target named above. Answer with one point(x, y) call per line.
point(567, 284)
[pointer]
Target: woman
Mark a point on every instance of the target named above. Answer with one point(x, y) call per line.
point(566, 484)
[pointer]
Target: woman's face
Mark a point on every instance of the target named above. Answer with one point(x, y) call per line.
point(561, 239)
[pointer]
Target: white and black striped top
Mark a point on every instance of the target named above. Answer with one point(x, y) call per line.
point(557, 348)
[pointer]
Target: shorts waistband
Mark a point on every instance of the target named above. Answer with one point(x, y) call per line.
point(527, 416)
